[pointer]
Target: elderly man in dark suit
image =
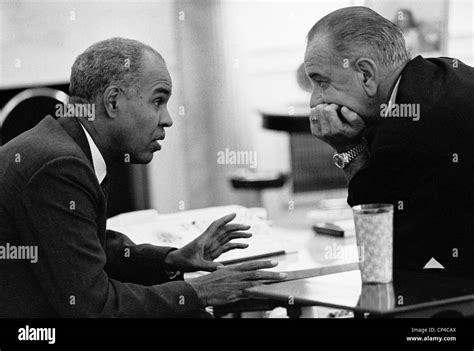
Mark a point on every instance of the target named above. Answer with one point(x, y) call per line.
point(403, 133)
point(53, 194)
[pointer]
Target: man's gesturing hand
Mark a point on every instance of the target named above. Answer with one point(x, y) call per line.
point(226, 284)
point(340, 132)
point(199, 254)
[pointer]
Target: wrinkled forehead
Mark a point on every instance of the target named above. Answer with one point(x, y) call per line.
point(320, 58)
point(317, 56)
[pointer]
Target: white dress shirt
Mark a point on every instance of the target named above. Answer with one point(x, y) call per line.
point(98, 161)
point(393, 97)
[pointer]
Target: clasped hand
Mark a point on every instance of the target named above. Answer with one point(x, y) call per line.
point(341, 130)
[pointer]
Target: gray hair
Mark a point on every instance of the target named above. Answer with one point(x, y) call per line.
point(112, 61)
point(358, 30)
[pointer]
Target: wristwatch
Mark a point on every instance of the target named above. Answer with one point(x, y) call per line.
point(343, 159)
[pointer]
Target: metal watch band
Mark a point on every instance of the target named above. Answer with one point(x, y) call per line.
point(350, 154)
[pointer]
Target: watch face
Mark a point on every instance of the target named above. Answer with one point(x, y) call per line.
point(339, 160)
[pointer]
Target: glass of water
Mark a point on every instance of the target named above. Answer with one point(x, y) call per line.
point(374, 235)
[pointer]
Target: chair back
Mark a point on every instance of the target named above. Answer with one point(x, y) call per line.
point(26, 109)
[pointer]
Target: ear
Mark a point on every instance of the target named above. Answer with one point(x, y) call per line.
point(369, 75)
point(110, 99)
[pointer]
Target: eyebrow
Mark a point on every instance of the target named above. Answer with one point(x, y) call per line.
point(162, 90)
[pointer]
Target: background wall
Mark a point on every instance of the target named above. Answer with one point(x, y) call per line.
point(228, 59)
point(460, 40)
point(40, 39)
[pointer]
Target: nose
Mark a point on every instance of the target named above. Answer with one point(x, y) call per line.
point(165, 119)
point(316, 98)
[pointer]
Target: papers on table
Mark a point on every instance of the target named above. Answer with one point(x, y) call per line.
point(178, 229)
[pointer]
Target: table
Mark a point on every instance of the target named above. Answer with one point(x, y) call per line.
point(309, 254)
point(424, 293)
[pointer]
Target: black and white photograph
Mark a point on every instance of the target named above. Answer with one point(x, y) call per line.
point(237, 167)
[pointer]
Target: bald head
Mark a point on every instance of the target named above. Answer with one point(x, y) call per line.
point(357, 31)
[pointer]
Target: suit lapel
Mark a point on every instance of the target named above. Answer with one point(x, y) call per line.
point(73, 128)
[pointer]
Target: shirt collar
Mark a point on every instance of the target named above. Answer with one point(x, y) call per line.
point(393, 97)
point(98, 161)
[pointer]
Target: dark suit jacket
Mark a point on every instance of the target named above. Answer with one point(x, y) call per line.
point(50, 197)
point(426, 167)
